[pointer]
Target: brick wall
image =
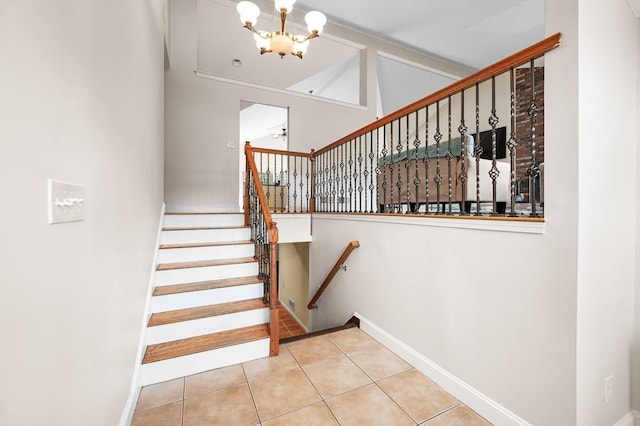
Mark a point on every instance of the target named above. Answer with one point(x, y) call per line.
point(523, 124)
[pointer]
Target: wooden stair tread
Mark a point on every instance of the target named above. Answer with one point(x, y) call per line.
point(204, 263)
point(204, 285)
point(212, 244)
point(202, 228)
point(192, 345)
point(199, 312)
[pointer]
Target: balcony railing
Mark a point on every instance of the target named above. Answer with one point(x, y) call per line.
point(473, 148)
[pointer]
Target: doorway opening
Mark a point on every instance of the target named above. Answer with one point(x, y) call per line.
point(265, 126)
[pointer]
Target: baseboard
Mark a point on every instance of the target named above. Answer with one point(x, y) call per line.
point(130, 405)
point(178, 208)
point(477, 401)
point(632, 418)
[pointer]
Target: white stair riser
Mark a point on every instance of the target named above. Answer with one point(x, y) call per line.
point(174, 368)
point(205, 253)
point(205, 235)
point(192, 299)
point(199, 327)
point(192, 275)
point(194, 220)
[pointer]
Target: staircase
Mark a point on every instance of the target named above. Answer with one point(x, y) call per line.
point(207, 309)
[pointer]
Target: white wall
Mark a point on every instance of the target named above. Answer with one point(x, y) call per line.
point(497, 310)
point(202, 114)
point(606, 248)
point(82, 101)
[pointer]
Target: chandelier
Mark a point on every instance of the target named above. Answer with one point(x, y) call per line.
point(281, 41)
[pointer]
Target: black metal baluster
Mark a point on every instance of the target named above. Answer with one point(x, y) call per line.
point(341, 154)
point(407, 165)
point(308, 174)
point(374, 171)
point(399, 148)
point(416, 179)
point(462, 129)
point(295, 182)
point(425, 160)
point(391, 168)
point(477, 149)
point(268, 182)
point(358, 208)
point(493, 122)
point(449, 154)
point(438, 178)
point(334, 183)
point(285, 207)
point(512, 143)
point(534, 169)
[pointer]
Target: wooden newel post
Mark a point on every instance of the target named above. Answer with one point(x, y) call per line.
point(312, 202)
point(274, 318)
point(247, 183)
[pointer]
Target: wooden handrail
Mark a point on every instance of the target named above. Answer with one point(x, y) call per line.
point(264, 204)
point(513, 61)
point(347, 251)
point(281, 152)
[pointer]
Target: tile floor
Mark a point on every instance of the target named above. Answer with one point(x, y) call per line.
point(341, 378)
point(289, 327)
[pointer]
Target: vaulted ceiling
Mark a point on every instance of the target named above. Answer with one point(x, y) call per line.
point(474, 33)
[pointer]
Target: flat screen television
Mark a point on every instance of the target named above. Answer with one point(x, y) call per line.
point(501, 143)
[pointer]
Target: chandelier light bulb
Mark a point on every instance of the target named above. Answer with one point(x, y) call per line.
point(287, 5)
point(315, 21)
point(249, 12)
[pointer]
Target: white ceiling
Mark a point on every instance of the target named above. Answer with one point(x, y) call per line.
point(475, 33)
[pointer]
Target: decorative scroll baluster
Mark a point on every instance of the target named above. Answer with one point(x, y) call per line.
point(493, 122)
point(399, 148)
point(425, 160)
point(438, 178)
point(368, 208)
point(282, 175)
point(416, 179)
point(334, 184)
point(268, 181)
point(374, 155)
point(534, 169)
point(512, 143)
point(477, 149)
point(462, 129)
point(407, 165)
point(359, 176)
point(302, 186)
point(312, 188)
point(295, 182)
point(391, 188)
point(449, 154)
point(341, 165)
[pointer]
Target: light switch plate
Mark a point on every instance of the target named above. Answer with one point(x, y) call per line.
point(66, 202)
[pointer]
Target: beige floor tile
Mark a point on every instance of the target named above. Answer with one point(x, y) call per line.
point(335, 376)
point(213, 380)
point(352, 339)
point(459, 416)
point(161, 394)
point(314, 415)
point(379, 362)
point(164, 415)
point(367, 406)
point(417, 395)
point(282, 393)
point(312, 350)
point(266, 366)
point(229, 406)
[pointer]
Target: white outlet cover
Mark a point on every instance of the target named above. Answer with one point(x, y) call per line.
point(65, 202)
